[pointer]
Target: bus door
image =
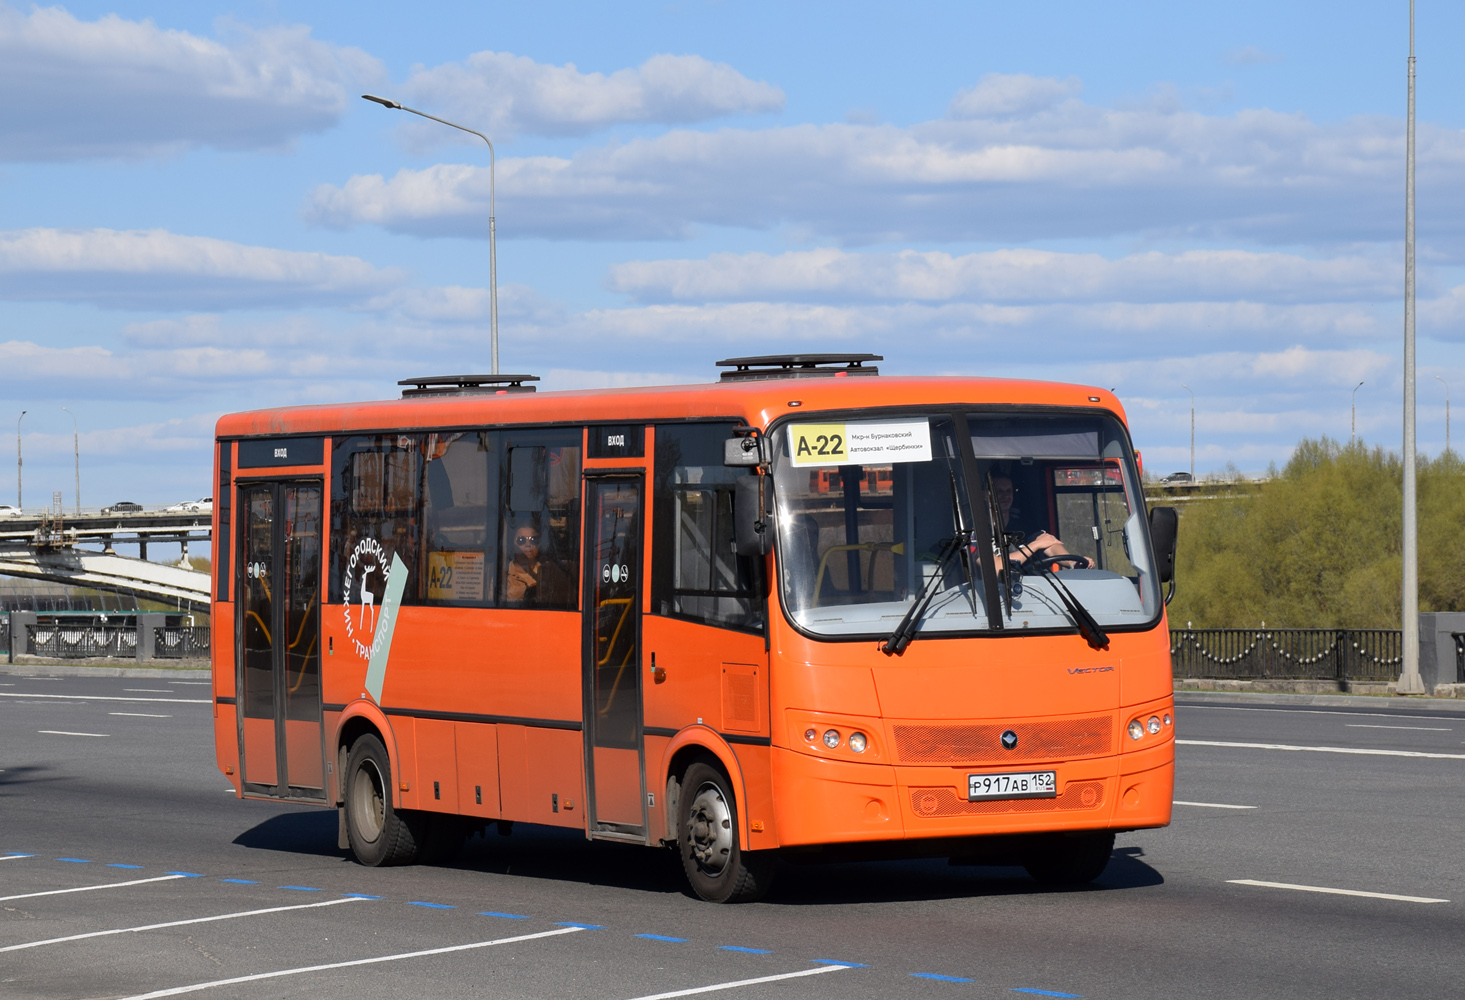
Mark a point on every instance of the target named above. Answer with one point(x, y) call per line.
point(280, 734)
point(615, 764)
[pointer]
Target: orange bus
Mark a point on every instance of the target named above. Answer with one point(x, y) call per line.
point(637, 613)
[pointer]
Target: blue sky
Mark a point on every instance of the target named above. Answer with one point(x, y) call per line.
point(201, 215)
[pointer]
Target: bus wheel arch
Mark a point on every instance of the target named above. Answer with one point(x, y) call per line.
point(706, 820)
point(687, 748)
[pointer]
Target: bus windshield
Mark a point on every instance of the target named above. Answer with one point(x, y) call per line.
point(865, 509)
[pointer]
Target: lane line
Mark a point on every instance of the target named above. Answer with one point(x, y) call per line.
point(195, 987)
point(141, 715)
point(149, 690)
point(12, 857)
point(1421, 729)
point(106, 697)
point(172, 923)
point(89, 888)
point(1352, 750)
point(940, 978)
point(1336, 892)
point(1045, 993)
point(62, 732)
point(1319, 711)
point(1211, 805)
point(726, 986)
point(745, 951)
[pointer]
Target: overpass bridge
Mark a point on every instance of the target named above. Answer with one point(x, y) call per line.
point(54, 547)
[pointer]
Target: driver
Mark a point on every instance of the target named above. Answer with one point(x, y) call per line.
point(1042, 542)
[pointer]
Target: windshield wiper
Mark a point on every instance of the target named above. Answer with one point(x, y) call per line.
point(1088, 627)
point(906, 630)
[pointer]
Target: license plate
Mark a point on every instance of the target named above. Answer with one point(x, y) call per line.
point(1020, 785)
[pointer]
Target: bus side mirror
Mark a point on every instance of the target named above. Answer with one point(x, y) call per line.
point(743, 450)
point(752, 516)
point(1163, 525)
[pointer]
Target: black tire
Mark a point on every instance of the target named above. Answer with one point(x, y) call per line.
point(1071, 859)
point(716, 866)
point(379, 834)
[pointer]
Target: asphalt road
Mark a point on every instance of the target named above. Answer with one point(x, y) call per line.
point(113, 819)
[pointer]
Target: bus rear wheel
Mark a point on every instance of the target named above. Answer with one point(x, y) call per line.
point(1072, 859)
point(378, 833)
point(716, 866)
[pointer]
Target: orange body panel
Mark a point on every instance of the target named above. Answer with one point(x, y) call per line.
point(487, 704)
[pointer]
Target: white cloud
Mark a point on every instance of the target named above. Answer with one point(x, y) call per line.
point(119, 88)
point(1015, 275)
point(156, 269)
point(1071, 171)
point(503, 94)
point(998, 94)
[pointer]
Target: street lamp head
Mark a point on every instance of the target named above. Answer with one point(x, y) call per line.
point(382, 101)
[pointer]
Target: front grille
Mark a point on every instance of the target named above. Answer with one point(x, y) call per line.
point(1069, 739)
point(936, 803)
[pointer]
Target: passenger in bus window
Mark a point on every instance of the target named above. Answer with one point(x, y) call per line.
point(533, 578)
point(1037, 540)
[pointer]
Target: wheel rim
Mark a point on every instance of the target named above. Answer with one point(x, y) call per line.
point(709, 829)
point(368, 805)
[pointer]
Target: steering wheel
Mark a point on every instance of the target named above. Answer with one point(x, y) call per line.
point(1040, 563)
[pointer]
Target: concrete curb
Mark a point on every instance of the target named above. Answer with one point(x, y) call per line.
point(77, 670)
point(1362, 702)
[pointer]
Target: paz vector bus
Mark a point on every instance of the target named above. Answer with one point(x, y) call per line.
point(806, 611)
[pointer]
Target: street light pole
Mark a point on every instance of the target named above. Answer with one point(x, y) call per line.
point(76, 454)
point(1409, 680)
point(1192, 429)
point(493, 276)
point(1353, 417)
point(1447, 413)
point(19, 493)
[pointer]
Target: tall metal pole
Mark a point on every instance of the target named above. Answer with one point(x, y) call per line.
point(1353, 417)
point(1192, 429)
point(19, 493)
point(1409, 680)
point(76, 454)
point(493, 268)
point(1447, 413)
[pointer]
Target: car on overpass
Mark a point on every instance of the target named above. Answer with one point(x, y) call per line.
point(8, 511)
point(123, 507)
point(202, 506)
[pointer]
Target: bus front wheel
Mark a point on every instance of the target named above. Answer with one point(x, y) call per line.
point(717, 867)
point(1072, 859)
point(379, 834)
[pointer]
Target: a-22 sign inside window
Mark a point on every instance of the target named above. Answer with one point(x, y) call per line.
point(865, 442)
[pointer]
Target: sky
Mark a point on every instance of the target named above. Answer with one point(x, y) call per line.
point(200, 214)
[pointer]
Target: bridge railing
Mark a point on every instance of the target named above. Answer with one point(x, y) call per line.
point(174, 643)
point(1287, 653)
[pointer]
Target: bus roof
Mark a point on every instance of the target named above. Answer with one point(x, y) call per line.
point(758, 402)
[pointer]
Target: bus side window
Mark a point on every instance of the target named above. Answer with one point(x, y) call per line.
point(458, 541)
point(375, 515)
point(696, 574)
point(539, 562)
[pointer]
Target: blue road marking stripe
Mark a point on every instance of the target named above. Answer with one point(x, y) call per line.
point(239, 881)
point(185, 874)
point(360, 895)
point(583, 927)
point(1046, 993)
point(746, 951)
point(76, 861)
point(299, 888)
point(118, 865)
point(431, 906)
point(505, 916)
point(662, 937)
point(940, 978)
point(839, 961)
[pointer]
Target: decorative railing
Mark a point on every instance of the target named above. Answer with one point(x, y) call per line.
point(1287, 653)
point(76, 642)
point(175, 643)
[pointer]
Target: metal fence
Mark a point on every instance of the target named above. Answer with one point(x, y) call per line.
point(5, 636)
point(181, 641)
point(76, 642)
point(1287, 653)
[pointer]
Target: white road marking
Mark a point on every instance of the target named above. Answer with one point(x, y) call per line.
point(1211, 805)
point(105, 697)
point(180, 923)
point(194, 988)
point(12, 857)
point(141, 715)
point(1353, 750)
point(745, 982)
point(89, 888)
point(150, 690)
point(1423, 729)
point(62, 732)
point(1319, 711)
point(1336, 892)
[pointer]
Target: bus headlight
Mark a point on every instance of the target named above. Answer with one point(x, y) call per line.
point(831, 738)
point(1154, 724)
point(811, 735)
point(857, 742)
point(1136, 729)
